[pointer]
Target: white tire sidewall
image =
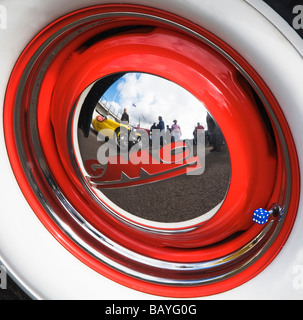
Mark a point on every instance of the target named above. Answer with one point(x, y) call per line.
point(43, 267)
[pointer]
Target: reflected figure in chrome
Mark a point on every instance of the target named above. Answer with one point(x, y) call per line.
point(125, 116)
point(176, 131)
point(195, 133)
point(215, 135)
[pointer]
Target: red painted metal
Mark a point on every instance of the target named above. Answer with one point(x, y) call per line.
point(193, 66)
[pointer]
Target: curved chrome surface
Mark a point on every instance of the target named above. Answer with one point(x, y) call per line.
point(118, 253)
point(197, 143)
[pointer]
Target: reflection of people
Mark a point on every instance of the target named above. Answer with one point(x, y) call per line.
point(153, 127)
point(195, 133)
point(161, 127)
point(215, 134)
point(125, 116)
point(176, 131)
point(161, 124)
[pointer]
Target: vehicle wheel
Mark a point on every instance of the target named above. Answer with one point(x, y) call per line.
point(59, 240)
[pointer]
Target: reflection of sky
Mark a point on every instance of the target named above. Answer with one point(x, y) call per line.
point(147, 96)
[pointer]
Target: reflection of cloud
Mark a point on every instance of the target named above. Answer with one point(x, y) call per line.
point(154, 96)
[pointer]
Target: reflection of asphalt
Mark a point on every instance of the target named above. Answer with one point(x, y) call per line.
point(177, 199)
point(180, 198)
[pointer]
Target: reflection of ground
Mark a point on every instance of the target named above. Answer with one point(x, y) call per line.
point(177, 199)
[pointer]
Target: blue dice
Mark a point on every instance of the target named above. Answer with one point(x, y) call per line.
point(260, 216)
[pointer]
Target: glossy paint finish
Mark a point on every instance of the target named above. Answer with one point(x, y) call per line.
point(220, 88)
